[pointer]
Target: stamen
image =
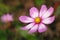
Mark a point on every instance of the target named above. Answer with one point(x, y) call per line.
point(37, 20)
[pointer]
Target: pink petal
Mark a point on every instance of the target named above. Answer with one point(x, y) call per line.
point(3, 18)
point(26, 19)
point(48, 13)
point(28, 26)
point(9, 17)
point(43, 10)
point(48, 20)
point(42, 28)
point(33, 29)
point(34, 12)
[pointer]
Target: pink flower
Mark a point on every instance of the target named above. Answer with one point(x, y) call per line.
point(7, 18)
point(38, 19)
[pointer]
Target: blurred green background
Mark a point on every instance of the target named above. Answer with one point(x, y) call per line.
point(21, 7)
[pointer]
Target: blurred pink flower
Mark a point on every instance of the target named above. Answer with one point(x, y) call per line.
point(38, 19)
point(7, 18)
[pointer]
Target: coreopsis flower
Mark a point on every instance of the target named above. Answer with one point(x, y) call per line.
point(38, 19)
point(6, 18)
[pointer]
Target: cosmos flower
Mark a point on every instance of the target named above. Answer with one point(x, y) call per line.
point(6, 18)
point(38, 19)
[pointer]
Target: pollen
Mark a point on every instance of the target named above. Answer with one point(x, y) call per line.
point(37, 20)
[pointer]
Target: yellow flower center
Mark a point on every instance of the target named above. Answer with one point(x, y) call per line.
point(37, 20)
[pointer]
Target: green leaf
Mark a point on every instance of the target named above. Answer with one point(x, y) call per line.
point(3, 9)
point(39, 2)
point(26, 35)
point(3, 35)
